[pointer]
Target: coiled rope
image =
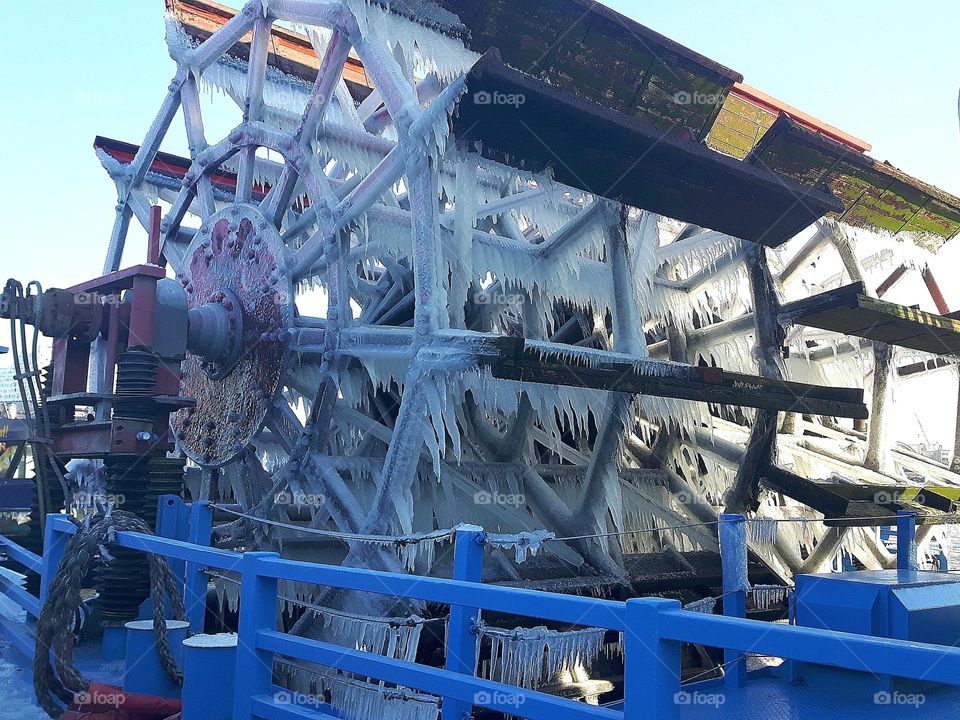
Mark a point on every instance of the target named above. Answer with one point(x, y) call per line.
point(62, 681)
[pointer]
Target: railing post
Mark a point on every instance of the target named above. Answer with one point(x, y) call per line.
point(258, 611)
point(651, 682)
point(736, 583)
point(462, 638)
point(195, 584)
point(172, 522)
point(54, 546)
point(906, 540)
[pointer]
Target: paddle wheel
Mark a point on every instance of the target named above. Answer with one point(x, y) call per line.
point(414, 287)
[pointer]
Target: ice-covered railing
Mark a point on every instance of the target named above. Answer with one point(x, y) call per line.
point(758, 533)
point(531, 657)
point(399, 679)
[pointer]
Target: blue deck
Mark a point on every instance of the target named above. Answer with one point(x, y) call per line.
point(764, 697)
point(16, 679)
point(771, 697)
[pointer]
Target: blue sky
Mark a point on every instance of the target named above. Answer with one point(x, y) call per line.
point(885, 70)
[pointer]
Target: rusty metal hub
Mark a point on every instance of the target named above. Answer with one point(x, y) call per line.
point(240, 304)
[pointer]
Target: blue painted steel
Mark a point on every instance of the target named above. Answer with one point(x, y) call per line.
point(462, 637)
point(296, 706)
point(173, 521)
point(206, 556)
point(934, 663)
point(258, 610)
point(28, 559)
point(908, 605)
point(485, 693)
point(55, 540)
point(11, 587)
point(733, 548)
point(906, 540)
point(113, 646)
point(651, 680)
point(208, 678)
point(19, 634)
point(15, 494)
point(654, 630)
point(195, 592)
point(530, 603)
point(144, 674)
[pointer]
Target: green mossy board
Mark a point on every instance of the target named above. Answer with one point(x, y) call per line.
point(874, 195)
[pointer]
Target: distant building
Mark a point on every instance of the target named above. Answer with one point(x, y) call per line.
point(934, 451)
point(9, 392)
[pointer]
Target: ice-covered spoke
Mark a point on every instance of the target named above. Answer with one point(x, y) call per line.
point(197, 141)
point(253, 102)
point(334, 55)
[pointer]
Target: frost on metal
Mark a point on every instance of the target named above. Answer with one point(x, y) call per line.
point(532, 657)
point(766, 597)
point(413, 262)
point(521, 543)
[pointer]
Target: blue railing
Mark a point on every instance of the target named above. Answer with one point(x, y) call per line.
point(653, 629)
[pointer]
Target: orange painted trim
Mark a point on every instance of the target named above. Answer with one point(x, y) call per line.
point(772, 104)
point(208, 17)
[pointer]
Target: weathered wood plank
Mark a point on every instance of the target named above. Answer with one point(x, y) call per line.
point(805, 491)
point(849, 311)
point(711, 385)
point(516, 116)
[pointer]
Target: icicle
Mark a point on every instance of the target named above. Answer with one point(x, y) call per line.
point(763, 531)
point(358, 700)
point(422, 546)
point(614, 649)
point(522, 542)
point(707, 605)
point(398, 638)
point(530, 657)
point(766, 597)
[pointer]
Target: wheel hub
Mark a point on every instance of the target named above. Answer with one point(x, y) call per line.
point(241, 305)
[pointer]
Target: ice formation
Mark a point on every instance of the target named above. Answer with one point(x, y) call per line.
point(356, 700)
point(766, 597)
point(763, 531)
point(87, 483)
point(422, 269)
point(531, 657)
point(521, 543)
point(705, 605)
point(393, 637)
